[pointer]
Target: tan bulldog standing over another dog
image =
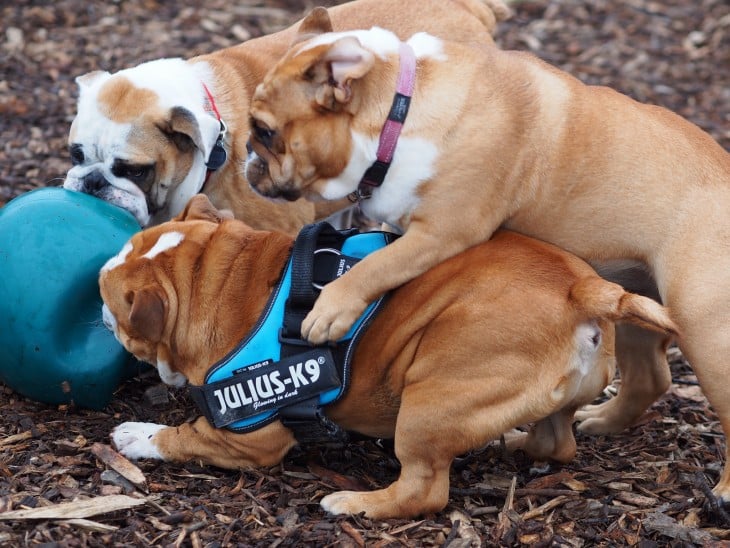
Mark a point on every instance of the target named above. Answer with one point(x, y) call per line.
point(512, 331)
point(496, 138)
point(150, 137)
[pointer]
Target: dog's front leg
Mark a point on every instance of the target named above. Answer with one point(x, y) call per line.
point(346, 298)
point(200, 441)
point(441, 415)
point(422, 487)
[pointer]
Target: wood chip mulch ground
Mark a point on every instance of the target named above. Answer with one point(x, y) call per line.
point(61, 484)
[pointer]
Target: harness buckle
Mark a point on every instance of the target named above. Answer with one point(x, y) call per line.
point(294, 341)
point(333, 251)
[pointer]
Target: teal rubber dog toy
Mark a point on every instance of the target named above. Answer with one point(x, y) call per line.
point(54, 347)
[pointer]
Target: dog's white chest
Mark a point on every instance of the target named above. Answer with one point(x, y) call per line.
point(413, 163)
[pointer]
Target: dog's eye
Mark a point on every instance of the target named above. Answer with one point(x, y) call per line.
point(137, 173)
point(77, 154)
point(134, 173)
point(264, 135)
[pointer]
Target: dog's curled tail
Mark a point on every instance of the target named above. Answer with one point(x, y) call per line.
point(603, 299)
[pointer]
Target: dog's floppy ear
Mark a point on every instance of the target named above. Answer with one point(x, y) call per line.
point(316, 22)
point(187, 131)
point(342, 62)
point(147, 313)
point(200, 208)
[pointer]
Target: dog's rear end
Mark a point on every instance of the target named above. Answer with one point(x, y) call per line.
point(508, 333)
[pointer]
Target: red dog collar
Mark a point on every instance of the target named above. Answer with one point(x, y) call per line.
point(218, 155)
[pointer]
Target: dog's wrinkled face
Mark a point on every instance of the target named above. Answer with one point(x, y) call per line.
point(301, 137)
point(138, 147)
point(135, 307)
point(138, 287)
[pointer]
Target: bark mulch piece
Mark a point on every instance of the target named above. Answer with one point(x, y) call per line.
point(649, 486)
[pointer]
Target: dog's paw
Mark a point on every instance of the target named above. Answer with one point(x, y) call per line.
point(342, 502)
point(332, 316)
point(722, 492)
point(604, 419)
point(134, 440)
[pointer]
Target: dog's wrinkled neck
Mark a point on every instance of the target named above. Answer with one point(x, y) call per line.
point(253, 262)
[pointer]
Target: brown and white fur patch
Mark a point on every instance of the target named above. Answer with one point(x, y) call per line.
point(509, 332)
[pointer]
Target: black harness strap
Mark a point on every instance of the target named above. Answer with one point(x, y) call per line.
point(306, 418)
point(303, 292)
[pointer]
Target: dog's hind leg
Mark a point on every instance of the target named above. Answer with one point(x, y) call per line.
point(438, 420)
point(641, 357)
point(550, 438)
point(425, 451)
point(706, 345)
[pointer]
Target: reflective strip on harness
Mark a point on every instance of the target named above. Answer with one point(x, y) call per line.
point(265, 386)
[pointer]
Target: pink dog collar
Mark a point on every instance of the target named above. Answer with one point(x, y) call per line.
point(375, 174)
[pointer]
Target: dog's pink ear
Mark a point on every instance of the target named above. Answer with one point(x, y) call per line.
point(316, 22)
point(344, 61)
point(349, 60)
point(200, 208)
point(147, 313)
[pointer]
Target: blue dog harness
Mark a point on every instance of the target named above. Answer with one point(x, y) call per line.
point(273, 373)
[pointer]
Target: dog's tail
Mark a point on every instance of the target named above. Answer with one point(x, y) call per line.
point(489, 12)
point(599, 298)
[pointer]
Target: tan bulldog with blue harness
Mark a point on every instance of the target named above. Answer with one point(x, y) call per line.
point(510, 332)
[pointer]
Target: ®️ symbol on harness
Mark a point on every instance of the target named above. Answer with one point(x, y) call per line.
point(264, 386)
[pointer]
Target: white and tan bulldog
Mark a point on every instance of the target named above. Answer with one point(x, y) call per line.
point(510, 332)
point(150, 137)
point(499, 138)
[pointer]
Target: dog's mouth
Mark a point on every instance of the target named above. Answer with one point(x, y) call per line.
point(275, 193)
point(287, 193)
point(257, 169)
point(95, 183)
point(290, 195)
point(258, 176)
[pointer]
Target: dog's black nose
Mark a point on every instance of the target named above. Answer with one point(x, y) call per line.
point(289, 194)
point(93, 183)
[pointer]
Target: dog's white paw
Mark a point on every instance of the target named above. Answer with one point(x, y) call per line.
point(134, 440)
point(342, 502)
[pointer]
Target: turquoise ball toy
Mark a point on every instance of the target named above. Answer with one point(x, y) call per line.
point(54, 347)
